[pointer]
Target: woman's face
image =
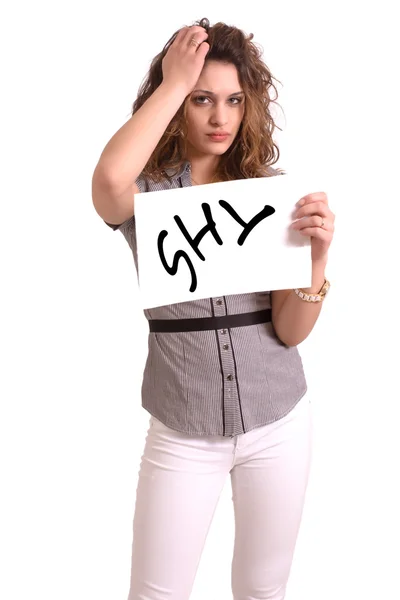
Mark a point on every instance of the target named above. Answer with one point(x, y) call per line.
point(216, 106)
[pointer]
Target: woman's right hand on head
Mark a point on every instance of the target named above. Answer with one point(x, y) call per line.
point(184, 60)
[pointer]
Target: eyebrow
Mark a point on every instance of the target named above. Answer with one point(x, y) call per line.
point(212, 93)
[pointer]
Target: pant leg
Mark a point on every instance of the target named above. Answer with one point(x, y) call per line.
point(269, 482)
point(180, 481)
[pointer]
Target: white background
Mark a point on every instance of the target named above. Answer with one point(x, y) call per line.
point(73, 338)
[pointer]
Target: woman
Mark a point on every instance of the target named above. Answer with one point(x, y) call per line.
point(223, 382)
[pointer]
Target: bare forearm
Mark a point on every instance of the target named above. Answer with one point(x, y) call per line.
point(296, 317)
point(128, 151)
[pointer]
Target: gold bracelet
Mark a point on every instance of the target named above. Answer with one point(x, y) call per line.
point(314, 297)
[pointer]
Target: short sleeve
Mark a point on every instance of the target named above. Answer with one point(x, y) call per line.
point(143, 187)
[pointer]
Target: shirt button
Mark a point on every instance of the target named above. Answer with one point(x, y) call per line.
point(229, 377)
point(225, 346)
point(219, 302)
point(223, 331)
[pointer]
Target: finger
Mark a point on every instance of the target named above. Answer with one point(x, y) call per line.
point(195, 42)
point(314, 197)
point(313, 208)
point(180, 36)
point(317, 232)
point(202, 50)
point(314, 221)
point(199, 34)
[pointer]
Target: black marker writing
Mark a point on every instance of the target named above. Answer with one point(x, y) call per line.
point(267, 211)
point(180, 254)
point(194, 242)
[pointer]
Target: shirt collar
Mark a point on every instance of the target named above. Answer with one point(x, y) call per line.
point(185, 167)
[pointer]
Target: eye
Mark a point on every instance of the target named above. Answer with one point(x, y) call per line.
point(199, 99)
point(205, 100)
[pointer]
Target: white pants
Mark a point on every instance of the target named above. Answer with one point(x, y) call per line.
point(180, 481)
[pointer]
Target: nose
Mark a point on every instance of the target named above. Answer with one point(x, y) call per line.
point(219, 115)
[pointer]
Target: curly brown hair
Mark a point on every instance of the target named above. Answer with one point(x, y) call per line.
point(253, 150)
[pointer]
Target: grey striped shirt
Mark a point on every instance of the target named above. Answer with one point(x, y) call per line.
point(224, 382)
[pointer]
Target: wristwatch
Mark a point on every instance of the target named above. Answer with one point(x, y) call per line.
point(314, 297)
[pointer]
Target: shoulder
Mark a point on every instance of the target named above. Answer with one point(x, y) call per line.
point(167, 179)
point(143, 184)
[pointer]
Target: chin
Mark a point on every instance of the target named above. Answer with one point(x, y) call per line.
point(219, 151)
point(210, 149)
point(216, 149)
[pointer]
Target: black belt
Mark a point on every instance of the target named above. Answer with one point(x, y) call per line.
point(207, 323)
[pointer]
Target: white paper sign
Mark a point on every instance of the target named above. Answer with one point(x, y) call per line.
point(219, 239)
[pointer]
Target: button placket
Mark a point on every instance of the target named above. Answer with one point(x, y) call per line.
point(231, 396)
point(219, 307)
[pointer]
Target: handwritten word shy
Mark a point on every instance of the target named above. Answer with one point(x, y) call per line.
point(210, 227)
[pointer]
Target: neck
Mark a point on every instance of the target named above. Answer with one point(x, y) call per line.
point(203, 168)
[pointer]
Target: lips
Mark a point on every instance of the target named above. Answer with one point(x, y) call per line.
point(218, 137)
